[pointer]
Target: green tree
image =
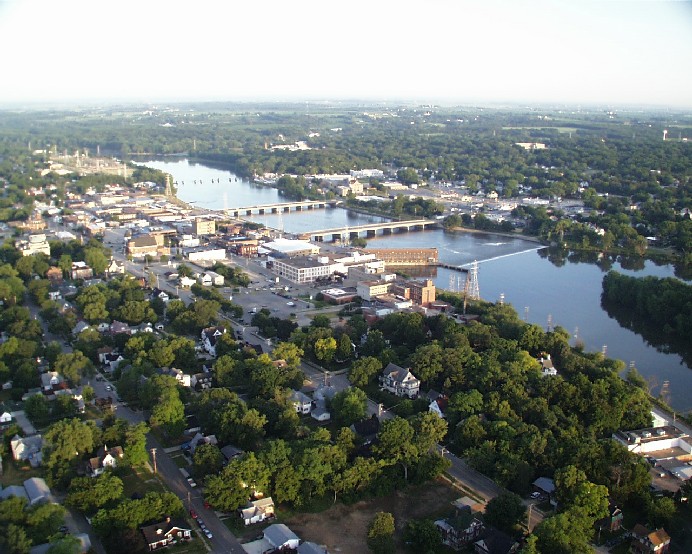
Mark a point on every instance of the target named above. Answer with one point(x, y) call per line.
point(565, 533)
point(349, 406)
point(207, 460)
point(325, 349)
point(505, 512)
point(89, 494)
point(73, 366)
point(381, 533)
point(422, 536)
point(288, 352)
point(364, 370)
point(135, 448)
point(396, 445)
point(15, 540)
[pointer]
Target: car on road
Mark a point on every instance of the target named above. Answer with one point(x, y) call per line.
point(193, 514)
point(200, 521)
point(109, 388)
point(191, 482)
point(535, 495)
point(290, 303)
point(209, 534)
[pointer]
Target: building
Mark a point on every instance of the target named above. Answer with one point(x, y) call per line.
point(291, 248)
point(166, 533)
point(419, 292)
point(649, 542)
point(209, 337)
point(34, 244)
point(142, 246)
point(368, 290)
point(400, 257)
point(459, 530)
point(399, 381)
point(307, 269)
point(204, 226)
point(301, 402)
point(27, 449)
point(644, 441)
point(80, 270)
point(257, 511)
point(37, 491)
point(202, 254)
point(105, 458)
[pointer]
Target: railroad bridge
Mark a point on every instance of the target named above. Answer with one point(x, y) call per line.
point(370, 230)
point(281, 207)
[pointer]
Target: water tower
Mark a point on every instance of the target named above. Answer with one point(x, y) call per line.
point(665, 133)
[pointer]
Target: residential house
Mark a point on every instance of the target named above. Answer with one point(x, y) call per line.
point(160, 294)
point(209, 337)
point(547, 367)
point(544, 485)
point(217, 279)
point(142, 328)
point(80, 327)
point(54, 275)
point(367, 429)
point(105, 458)
point(118, 327)
point(459, 530)
point(257, 511)
point(202, 381)
point(112, 361)
point(186, 281)
point(115, 267)
point(166, 533)
point(192, 424)
point(182, 378)
point(301, 402)
point(613, 521)
point(320, 412)
point(80, 270)
point(37, 491)
point(199, 439)
point(101, 353)
point(308, 547)
point(399, 381)
point(229, 452)
point(495, 542)
point(649, 542)
point(438, 404)
point(50, 380)
point(5, 418)
point(27, 449)
point(14, 490)
point(280, 537)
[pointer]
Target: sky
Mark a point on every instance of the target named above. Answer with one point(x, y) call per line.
point(612, 52)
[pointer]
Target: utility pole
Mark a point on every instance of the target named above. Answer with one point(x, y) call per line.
point(528, 523)
point(153, 456)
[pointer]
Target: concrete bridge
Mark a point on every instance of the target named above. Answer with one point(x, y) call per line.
point(281, 207)
point(370, 230)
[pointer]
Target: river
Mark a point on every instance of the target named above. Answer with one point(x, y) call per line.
point(542, 292)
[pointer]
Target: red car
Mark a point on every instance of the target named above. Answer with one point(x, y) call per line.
point(207, 505)
point(193, 514)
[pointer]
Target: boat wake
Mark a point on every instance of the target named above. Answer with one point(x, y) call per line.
point(494, 243)
point(535, 249)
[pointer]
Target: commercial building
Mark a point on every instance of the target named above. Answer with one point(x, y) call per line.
point(204, 226)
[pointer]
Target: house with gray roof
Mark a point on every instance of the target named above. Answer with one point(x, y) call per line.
point(37, 491)
point(27, 449)
point(399, 381)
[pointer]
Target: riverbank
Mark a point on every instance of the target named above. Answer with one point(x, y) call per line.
point(516, 235)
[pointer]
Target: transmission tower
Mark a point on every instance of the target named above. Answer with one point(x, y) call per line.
point(472, 290)
point(169, 191)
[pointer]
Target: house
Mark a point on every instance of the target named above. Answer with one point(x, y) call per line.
point(209, 337)
point(115, 267)
point(301, 402)
point(320, 412)
point(257, 511)
point(182, 378)
point(229, 452)
point(214, 278)
point(186, 281)
point(80, 270)
point(547, 367)
point(495, 542)
point(280, 537)
point(308, 547)
point(142, 328)
point(27, 449)
point(80, 327)
point(613, 521)
point(192, 424)
point(118, 327)
point(83, 545)
point(14, 490)
point(199, 439)
point(5, 418)
point(112, 361)
point(438, 404)
point(54, 275)
point(459, 530)
point(399, 381)
point(160, 294)
point(166, 533)
point(37, 491)
point(105, 458)
point(544, 485)
point(649, 542)
point(202, 381)
point(367, 429)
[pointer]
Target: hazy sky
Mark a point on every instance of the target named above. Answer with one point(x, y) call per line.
point(528, 51)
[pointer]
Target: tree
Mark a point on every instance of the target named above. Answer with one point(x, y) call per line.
point(15, 540)
point(44, 520)
point(96, 260)
point(381, 533)
point(288, 352)
point(242, 477)
point(73, 366)
point(135, 448)
point(344, 350)
point(364, 370)
point(349, 406)
point(429, 429)
point(325, 349)
point(169, 413)
point(89, 494)
point(395, 444)
point(207, 460)
point(505, 512)
point(37, 409)
point(564, 533)
point(422, 536)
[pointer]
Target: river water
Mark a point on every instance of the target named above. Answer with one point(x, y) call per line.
point(542, 292)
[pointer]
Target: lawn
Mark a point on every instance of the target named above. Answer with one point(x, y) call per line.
point(138, 481)
point(180, 461)
point(15, 474)
point(343, 528)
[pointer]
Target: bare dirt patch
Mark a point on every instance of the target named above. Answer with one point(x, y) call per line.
point(343, 528)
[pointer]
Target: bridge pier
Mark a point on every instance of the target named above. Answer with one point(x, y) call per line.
point(261, 211)
point(248, 212)
point(275, 210)
point(387, 231)
point(371, 233)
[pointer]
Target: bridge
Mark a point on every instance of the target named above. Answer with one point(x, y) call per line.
point(281, 207)
point(370, 230)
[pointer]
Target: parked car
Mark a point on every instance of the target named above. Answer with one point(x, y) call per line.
point(209, 534)
point(535, 495)
point(193, 514)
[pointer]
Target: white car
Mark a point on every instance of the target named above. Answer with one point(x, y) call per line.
point(209, 534)
point(290, 303)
